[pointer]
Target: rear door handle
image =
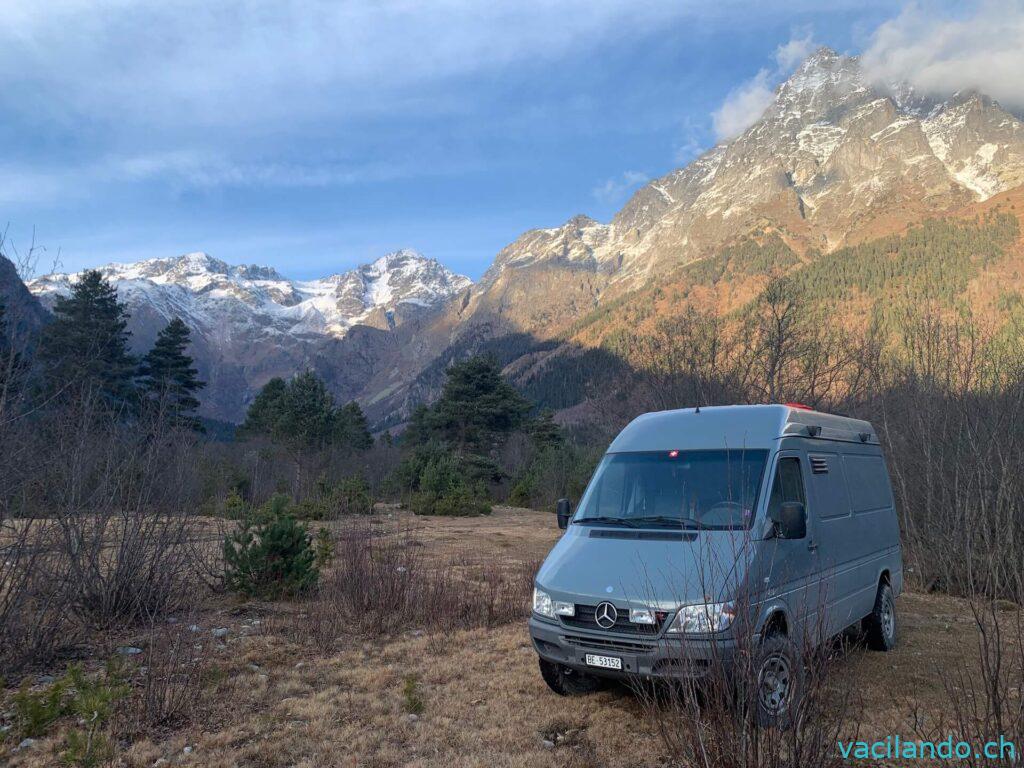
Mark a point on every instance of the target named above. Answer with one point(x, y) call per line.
point(811, 545)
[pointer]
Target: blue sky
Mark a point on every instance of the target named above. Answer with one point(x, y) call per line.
point(314, 136)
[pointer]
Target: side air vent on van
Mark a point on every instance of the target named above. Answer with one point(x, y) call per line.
point(819, 466)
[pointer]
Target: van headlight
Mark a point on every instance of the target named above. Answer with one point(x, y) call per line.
point(545, 606)
point(703, 619)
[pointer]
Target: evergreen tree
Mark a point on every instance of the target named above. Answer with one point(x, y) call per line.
point(544, 432)
point(266, 409)
point(307, 417)
point(476, 405)
point(166, 374)
point(351, 428)
point(301, 413)
point(85, 347)
point(270, 558)
point(420, 428)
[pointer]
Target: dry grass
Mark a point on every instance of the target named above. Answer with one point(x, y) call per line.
point(274, 701)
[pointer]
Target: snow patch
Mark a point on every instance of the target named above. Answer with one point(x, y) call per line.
point(821, 140)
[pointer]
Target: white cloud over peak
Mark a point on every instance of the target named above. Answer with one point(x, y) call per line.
point(616, 189)
point(941, 53)
point(745, 103)
point(743, 106)
point(799, 46)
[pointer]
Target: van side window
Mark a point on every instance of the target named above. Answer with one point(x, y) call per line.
point(788, 484)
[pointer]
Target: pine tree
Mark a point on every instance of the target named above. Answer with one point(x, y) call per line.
point(301, 413)
point(308, 416)
point(351, 428)
point(85, 348)
point(265, 410)
point(476, 404)
point(544, 432)
point(167, 377)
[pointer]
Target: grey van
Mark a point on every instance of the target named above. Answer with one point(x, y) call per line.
point(767, 526)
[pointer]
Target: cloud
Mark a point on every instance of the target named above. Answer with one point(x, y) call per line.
point(940, 54)
point(199, 170)
point(745, 104)
point(616, 189)
point(192, 62)
point(800, 45)
point(690, 143)
point(206, 169)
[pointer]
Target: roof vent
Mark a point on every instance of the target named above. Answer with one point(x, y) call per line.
point(813, 430)
point(865, 437)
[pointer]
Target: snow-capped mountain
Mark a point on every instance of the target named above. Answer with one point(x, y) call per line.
point(250, 323)
point(833, 158)
point(207, 292)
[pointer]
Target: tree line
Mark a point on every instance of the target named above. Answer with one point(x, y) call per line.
point(84, 351)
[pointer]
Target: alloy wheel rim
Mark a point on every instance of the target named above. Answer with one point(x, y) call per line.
point(888, 619)
point(774, 683)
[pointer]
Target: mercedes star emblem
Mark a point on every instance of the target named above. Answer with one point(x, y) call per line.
point(605, 615)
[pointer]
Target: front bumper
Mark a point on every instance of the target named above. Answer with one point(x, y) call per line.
point(642, 656)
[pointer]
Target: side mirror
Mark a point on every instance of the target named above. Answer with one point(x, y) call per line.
point(564, 512)
point(791, 520)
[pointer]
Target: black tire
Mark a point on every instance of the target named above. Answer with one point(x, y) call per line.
point(779, 682)
point(566, 681)
point(880, 628)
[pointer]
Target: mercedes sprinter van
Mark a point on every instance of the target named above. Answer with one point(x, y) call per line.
point(702, 530)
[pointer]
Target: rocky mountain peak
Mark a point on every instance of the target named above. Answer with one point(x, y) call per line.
point(824, 84)
point(203, 290)
point(399, 259)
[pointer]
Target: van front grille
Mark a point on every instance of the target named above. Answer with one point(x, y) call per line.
point(584, 619)
point(608, 644)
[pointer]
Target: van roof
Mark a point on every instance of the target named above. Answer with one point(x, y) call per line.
point(736, 427)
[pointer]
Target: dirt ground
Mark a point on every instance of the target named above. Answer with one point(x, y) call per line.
point(277, 702)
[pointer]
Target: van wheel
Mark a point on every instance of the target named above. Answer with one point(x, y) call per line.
point(566, 681)
point(780, 682)
point(880, 626)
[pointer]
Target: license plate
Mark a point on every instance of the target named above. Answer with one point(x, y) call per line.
point(605, 662)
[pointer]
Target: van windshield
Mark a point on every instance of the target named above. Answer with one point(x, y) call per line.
point(714, 490)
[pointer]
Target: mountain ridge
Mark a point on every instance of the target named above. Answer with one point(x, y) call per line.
point(250, 323)
point(833, 161)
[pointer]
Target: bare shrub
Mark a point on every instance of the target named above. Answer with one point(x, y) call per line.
point(96, 525)
point(169, 691)
point(949, 412)
point(985, 705)
point(34, 622)
point(712, 714)
point(385, 583)
point(114, 492)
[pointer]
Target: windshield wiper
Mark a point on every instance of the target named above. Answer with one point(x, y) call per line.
point(603, 520)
